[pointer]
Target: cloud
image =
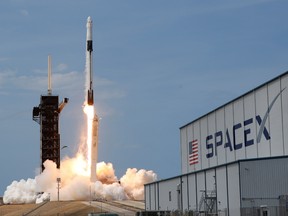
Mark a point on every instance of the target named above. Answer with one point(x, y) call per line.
point(61, 67)
point(61, 81)
point(5, 76)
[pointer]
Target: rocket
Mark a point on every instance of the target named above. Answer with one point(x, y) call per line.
point(90, 101)
point(89, 50)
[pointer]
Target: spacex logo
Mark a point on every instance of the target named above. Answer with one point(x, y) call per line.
point(228, 138)
point(216, 140)
point(262, 124)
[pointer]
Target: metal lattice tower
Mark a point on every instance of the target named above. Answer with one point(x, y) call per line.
point(47, 115)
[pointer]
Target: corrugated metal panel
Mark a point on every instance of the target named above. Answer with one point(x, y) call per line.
point(211, 130)
point(263, 181)
point(185, 193)
point(184, 150)
point(153, 196)
point(221, 181)
point(249, 113)
point(168, 194)
point(275, 119)
point(229, 120)
point(147, 198)
point(220, 126)
point(192, 192)
point(233, 189)
point(210, 180)
point(284, 97)
point(238, 140)
point(200, 177)
point(246, 183)
point(261, 109)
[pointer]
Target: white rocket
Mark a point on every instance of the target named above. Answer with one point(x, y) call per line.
point(89, 50)
point(90, 101)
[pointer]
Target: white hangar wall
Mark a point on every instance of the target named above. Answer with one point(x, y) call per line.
point(253, 125)
point(186, 192)
point(236, 188)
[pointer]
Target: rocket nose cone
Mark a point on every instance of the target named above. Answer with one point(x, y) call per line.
point(89, 19)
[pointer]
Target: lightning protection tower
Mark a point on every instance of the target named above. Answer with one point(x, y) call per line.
point(47, 115)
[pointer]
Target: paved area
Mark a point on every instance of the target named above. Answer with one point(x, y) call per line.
point(54, 208)
point(123, 208)
point(132, 203)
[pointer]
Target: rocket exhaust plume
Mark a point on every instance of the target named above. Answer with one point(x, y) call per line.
point(82, 174)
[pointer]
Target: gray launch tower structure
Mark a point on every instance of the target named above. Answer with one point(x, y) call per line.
point(47, 115)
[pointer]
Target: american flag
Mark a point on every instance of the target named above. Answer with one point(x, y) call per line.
point(193, 152)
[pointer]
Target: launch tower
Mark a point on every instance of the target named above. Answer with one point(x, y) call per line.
point(47, 115)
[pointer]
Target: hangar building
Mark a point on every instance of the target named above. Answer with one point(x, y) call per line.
point(234, 159)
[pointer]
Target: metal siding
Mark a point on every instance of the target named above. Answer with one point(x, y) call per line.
point(221, 188)
point(249, 113)
point(275, 118)
point(147, 198)
point(157, 195)
point(220, 126)
point(185, 193)
point(233, 189)
point(184, 150)
point(211, 131)
point(262, 181)
point(152, 197)
point(210, 180)
point(228, 123)
point(164, 189)
point(239, 137)
point(284, 100)
point(192, 192)
point(200, 186)
point(202, 142)
point(261, 108)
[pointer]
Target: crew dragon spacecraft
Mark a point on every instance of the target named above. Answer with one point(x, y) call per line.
point(89, 50)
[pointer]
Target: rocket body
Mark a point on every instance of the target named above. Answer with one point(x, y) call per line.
point(89, 50)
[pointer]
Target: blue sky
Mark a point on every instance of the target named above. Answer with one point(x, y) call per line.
point(158, 64)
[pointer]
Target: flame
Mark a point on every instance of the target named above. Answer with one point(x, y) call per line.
point(80, 165)
point(89, 111)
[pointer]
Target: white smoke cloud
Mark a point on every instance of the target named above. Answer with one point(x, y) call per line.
point(75, 183)
point(21, 192)
point(134, 180)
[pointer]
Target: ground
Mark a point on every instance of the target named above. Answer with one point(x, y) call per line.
point(71, 208)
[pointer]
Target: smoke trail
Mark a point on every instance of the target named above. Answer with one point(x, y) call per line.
point(75, 183)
